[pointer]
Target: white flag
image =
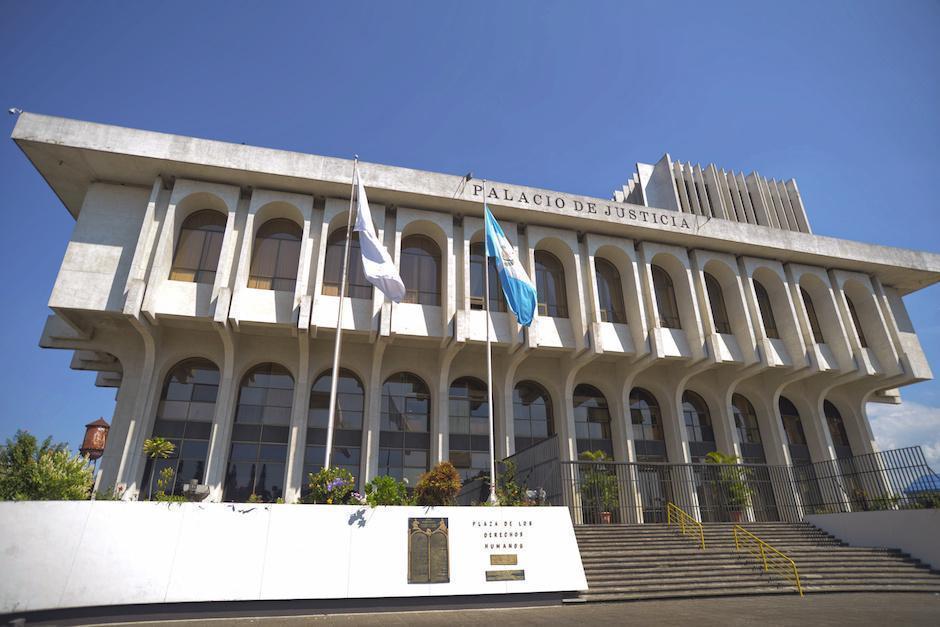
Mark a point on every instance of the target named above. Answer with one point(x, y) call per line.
point(377, 264)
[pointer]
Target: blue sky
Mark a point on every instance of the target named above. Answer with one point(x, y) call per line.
point(842, 96)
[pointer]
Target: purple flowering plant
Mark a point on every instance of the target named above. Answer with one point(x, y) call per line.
point(331, 486)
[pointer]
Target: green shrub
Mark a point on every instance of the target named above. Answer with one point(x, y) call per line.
point(255, 498)
point(111, 494)
point(385, 490)
point(438, 486)
point(166, 481)
point(33, 472)
point(598, 484)
point(331, 486)
point(508, 492)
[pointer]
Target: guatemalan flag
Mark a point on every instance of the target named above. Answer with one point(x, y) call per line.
point(517, 286)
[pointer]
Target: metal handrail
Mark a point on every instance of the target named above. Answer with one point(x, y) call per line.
point(768, 555)
point(684, 521)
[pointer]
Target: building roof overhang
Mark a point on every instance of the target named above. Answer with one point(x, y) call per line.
point(73, 154)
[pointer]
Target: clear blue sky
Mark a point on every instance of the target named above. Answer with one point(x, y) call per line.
point(842, 96)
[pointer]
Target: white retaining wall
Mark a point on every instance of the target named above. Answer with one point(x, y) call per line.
point(86, 553)
point(914, 531)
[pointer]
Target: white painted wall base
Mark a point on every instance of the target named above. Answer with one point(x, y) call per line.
point(914, 531)
point(87, 553)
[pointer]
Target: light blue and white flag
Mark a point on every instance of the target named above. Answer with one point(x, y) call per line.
point(516, 284)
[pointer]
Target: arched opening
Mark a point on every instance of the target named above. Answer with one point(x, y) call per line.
point(766, 311)
point(347, 424)
point(609, 292)
point(813, 319)
point(793, 426)
point(655, 484)
point(421, 270)
point(469, 428)
point(477, 275)
point(760, 483)
point(276, 256)
point(856, 323)
point(357, 286)
point(405, 438)
point(533, 420)
point(649, 441)
point(550, 285)
point(198, 247)
point(716, 300)
point(840, 437)
point(804, 472)
point(184, 417)
point(698, 425)
point(666, 304)
point(745, 422)
point(258, 454)
point(592, 421)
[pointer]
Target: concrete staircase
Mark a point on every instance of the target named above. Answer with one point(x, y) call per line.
point(633, 562)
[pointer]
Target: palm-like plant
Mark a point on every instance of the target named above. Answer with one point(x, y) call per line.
point(157, 448)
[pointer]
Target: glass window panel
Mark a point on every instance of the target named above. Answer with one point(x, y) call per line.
point(174, 410)
point(205, 393)
point(242, 452)
point(178, 391)
point(194, 449)
point(276, 415)
point(202, 412)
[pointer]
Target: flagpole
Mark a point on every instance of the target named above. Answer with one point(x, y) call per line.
point(339, 321)
point(489, 354)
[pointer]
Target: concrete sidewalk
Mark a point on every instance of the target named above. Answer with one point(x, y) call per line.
point(816, 610)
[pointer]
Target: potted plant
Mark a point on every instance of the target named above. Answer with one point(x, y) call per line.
point(598, 487)
point(733, 482)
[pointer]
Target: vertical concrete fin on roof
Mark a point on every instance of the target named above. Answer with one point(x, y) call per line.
point(702, 191)
point(798, 209)
point(659, 187)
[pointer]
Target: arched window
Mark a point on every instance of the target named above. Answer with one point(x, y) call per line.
point(592, 420)
point(647, 427)
point(766, 311)
point(276, 256)
point(609, 292)
point(198, 247)
point(347, 424)
point(698, 425)
point(405, 440)
point(356, 284)
point(550, 285)
point(532, 414)
point(469, 428)
point(856, 323)
point(184, 417)
point(421, 270)
point(840, 438)
point(497, 298)
point(793, 426)
point(745, 421)
point(813, 320)
point(716, 299)
point(665, 299)
point(259, 435)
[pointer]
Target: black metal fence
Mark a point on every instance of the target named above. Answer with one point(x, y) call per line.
point(638, 492)
point(536, 470)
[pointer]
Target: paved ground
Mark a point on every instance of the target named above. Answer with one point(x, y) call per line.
point(816, 610)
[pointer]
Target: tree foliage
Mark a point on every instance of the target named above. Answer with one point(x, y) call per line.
point(30, 471)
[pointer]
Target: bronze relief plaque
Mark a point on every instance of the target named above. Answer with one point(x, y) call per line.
point(507, 559)
point(428, 550)
point(505, 575)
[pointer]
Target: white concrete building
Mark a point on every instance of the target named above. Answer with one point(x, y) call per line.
point(695, 311)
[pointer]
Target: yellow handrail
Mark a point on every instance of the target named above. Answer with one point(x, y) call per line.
point(768, 555)
point(685, 522)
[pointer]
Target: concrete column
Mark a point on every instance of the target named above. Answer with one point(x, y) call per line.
point(131, 468)
point(294, 475)
point(223, 418)
point(372, 418)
